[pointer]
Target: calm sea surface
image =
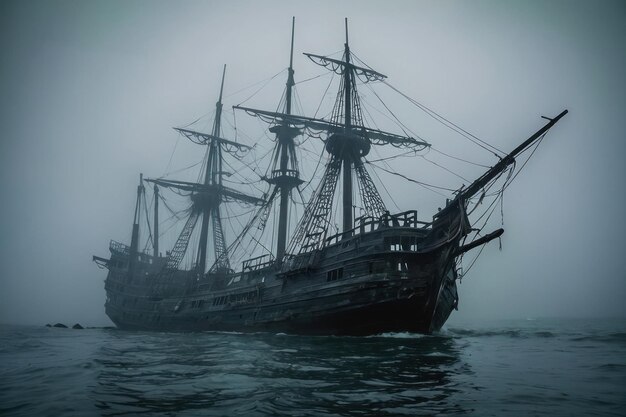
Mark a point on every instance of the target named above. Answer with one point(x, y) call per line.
point(516, 368)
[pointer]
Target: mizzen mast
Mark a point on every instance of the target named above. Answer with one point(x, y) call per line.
point(207, 196)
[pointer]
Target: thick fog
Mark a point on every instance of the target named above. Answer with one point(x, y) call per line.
point(90, 91)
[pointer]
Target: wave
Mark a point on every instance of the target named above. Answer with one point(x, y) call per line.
point(399, 335)
point(617, 337)
point(617, 367)
point(511, 333)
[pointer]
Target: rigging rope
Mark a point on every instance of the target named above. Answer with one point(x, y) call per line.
point(474, 139)
point(412, 180)
point(385, 188)
point(313, 78)
point(255, 84)
point(199, 118)
point(458, 159)
point(404, 154)
point(180, 170)
point(444, 168)
point(267, 81)
point(172, 154)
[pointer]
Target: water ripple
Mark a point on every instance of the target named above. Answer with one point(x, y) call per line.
point(461, 371)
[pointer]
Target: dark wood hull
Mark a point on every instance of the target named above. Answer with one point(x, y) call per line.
point(394, 278)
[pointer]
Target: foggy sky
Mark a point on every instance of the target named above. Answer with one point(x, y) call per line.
point(90, 91)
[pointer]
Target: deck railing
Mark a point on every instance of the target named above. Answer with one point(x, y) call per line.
point(119, 248)
point(369, 224)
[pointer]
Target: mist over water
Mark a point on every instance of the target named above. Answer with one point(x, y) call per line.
point(92, 89)
point(505, 368)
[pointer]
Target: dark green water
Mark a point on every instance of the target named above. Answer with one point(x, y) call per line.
point(517, 368)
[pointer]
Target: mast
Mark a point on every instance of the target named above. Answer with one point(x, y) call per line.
point(284, 171)
point(134, 240)
point(347, 154)
point(213, 177)
point(206, 196)
point(348, 141)
point(155, 238)
point(290, 81)
point(286, 146)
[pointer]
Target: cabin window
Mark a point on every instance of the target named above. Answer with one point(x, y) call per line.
point(334, 275)
point(402, 266)
point(403, 243)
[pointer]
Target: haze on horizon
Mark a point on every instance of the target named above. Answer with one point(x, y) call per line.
point(92, 89)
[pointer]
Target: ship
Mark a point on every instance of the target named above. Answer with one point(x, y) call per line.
point(380, 272)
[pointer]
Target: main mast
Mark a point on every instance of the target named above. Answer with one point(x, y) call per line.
point(287, 179)
point(347, 154)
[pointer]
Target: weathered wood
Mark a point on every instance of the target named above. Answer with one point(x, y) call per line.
point(480, 241)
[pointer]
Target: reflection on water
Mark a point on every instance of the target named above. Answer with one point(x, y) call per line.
point(221, 373)
point(556, 368)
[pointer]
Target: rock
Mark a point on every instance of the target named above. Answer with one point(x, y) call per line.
point(48, 325)
point(77, 326)
point(60, 325)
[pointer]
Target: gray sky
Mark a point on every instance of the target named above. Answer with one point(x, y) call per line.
point(90, 91)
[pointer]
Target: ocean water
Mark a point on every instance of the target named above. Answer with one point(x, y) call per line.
point(516, 368)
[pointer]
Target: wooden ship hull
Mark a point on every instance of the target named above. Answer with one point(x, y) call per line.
point(393, 275)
